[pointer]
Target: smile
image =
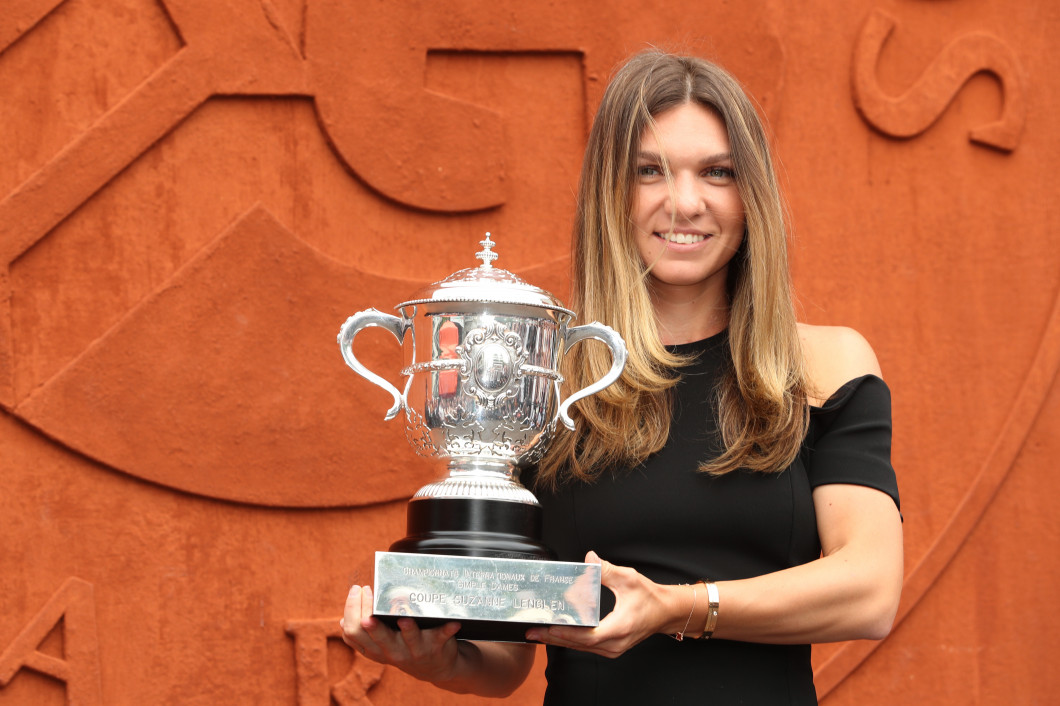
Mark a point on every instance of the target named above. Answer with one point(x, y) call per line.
point(682, 238)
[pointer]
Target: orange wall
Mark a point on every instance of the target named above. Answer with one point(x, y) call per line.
point(195, 194)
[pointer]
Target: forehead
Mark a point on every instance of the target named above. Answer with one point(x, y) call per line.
point(689, 128)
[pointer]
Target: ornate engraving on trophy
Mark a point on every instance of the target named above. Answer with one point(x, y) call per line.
point(73, 607)
point(418, 435)
point(493, 360)
point(311, 664)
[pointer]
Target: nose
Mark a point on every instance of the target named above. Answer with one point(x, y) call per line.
point(686, 199)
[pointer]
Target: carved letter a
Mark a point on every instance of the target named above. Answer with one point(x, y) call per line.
point(74, 604)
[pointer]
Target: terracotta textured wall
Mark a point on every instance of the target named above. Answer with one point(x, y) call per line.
point(194, 194)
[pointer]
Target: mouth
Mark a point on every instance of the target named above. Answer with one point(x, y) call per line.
point(682, 238)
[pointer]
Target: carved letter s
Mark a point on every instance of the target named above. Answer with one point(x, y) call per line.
point(921, 105)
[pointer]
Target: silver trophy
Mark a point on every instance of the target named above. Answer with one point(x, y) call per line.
point(482, 391)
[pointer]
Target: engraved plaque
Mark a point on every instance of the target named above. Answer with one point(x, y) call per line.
point(493, 598)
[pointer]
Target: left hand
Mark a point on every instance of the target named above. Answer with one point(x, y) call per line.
point(429, 654)
point(642, 608)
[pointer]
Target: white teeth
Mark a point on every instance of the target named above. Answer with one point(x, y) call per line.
point(682, 238)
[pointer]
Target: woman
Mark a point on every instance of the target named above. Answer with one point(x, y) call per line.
point(736, 480)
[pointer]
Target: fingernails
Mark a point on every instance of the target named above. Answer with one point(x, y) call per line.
point(355, 591)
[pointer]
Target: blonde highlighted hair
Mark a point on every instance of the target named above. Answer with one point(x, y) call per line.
point(762, 399)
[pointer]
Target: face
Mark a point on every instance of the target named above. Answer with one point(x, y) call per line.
point(687, 234)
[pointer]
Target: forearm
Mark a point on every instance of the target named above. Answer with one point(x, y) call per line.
point(489, 668)
point(824, 601)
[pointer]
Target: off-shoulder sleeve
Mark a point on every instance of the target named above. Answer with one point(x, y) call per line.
point(850, 438)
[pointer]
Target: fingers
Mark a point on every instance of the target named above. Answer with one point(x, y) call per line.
point(366, 607)
point(608, 571)
point(412, 637)
point(360, 630)
point(351, 617)
point(594, 640)
point(382, 644)
point(421, 643)
point(561, 636)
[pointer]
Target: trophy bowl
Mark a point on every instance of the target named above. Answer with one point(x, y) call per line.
point(482, 391)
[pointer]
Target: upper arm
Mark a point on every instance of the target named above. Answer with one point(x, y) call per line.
point(860, 516)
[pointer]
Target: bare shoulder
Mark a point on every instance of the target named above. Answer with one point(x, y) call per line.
point(835, 355)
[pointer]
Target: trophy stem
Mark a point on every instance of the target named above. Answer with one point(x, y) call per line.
point(484, 481)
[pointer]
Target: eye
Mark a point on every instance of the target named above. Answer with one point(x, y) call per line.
point(720, 173)
point(648, 171)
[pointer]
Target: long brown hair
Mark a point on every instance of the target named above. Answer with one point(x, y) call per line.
point(762, 398)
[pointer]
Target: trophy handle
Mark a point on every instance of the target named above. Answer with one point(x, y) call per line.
point(363, 319)
point(618, 362)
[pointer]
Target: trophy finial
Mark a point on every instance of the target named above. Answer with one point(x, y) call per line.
point(486, 254)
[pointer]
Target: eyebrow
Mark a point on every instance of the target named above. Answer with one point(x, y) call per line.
point(655, 157)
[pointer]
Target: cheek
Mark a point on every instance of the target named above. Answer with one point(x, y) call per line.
point(649, 248)
point(739, 225)
point(731, 209)
point(645, 246)
point(648, 201)
point(640, 213)
point(734, 225)
point(739, 214)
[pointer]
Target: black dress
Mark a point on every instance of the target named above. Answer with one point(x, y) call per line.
point(675, 525)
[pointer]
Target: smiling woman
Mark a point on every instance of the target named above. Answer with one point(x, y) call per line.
point(687, 212)
point(735, 483)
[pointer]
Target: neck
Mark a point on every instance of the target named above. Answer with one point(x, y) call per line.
point(689, 313)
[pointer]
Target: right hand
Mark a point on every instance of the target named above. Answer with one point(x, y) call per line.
point(429, 655)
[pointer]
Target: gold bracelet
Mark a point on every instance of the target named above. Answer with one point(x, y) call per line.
point(713, 601)
point(679, 636)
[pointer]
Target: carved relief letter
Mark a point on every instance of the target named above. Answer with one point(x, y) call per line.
point(418, 147)
point(311, 664)
point(915, 110)
point(74, 605)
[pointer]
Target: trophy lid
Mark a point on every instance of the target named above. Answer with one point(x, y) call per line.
point(486, 283)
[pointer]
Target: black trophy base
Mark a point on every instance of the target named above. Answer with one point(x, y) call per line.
point(474, 527)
